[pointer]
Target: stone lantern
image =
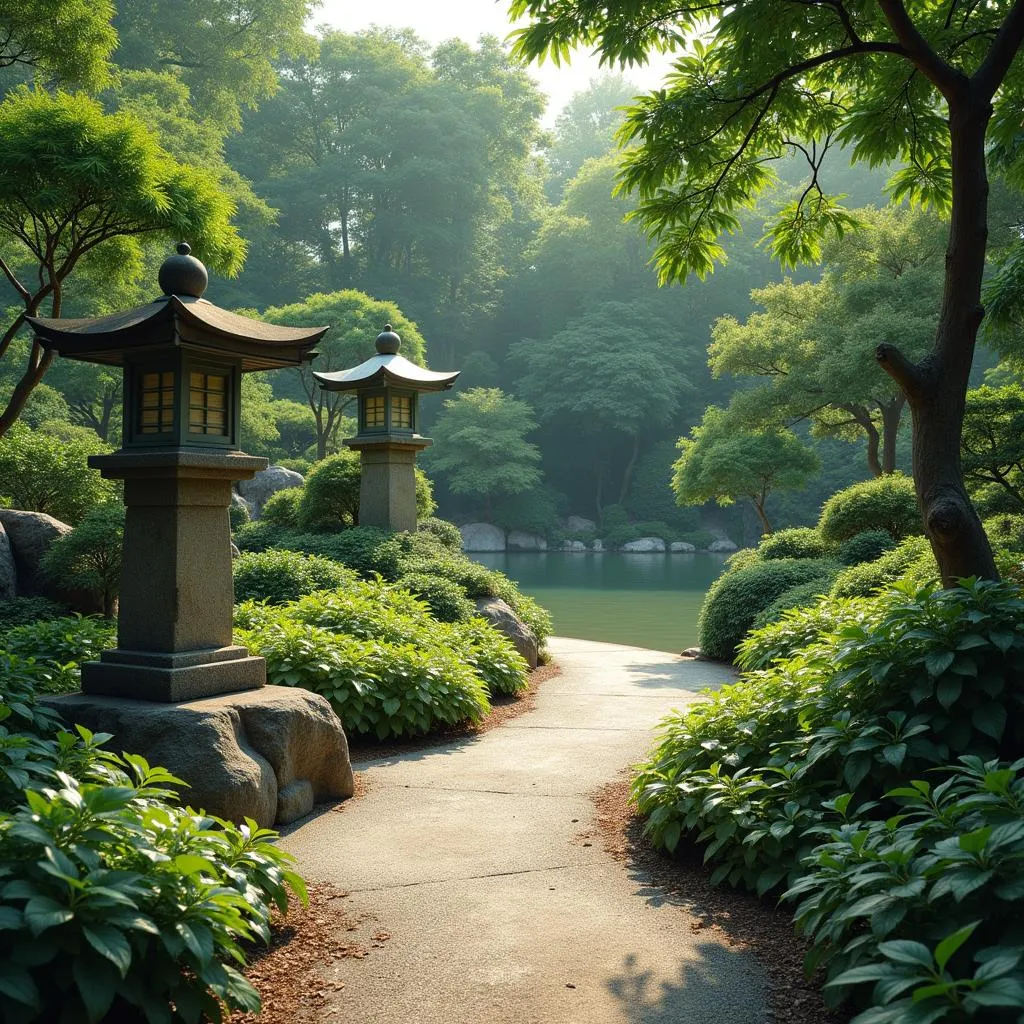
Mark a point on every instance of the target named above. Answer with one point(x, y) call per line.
point(177, 689)
point(183, 360)
point(387, 388)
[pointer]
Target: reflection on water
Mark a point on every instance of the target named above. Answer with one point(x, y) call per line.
point(647, 600)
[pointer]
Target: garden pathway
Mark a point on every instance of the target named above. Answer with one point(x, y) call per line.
point(469, 857)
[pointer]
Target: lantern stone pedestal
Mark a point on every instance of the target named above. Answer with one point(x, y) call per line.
point(387, 487)
point(174, 625)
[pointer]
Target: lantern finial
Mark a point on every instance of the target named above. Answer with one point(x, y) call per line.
point(183, 274)
point(388, 343)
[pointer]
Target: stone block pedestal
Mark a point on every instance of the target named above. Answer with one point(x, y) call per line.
point(267, 754)
point(387, 486)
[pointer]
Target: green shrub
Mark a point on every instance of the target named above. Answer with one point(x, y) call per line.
point(447, 600)
point(447, 533)
point(89, 558)
point(885, 503)
point(741, 559)
point(280, 576)
point(802, 596)
point(367, 549)
point(330, 497)
point(801, 542)
point(912, 560)
point(656, 529)
point(21, 611)
point(908, 686)
point(53, 650)
point(502, 668)
point(260, 536)
point(1006, 531)
point(736, 599)
point(376, 688)
point(43, 473)
point(425, 504)
point(300, 466)
point(238, 515)
point(117, 903)
point(866, 546)
point(282, 508)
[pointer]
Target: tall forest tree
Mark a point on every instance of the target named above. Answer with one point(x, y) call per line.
point(760, 79)
point(813, 344)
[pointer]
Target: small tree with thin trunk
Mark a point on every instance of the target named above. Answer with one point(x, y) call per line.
point(720, 462)
point(89, 558)
point(77, 183)
point(935, 88)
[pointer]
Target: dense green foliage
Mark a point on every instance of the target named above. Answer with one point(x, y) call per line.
point(117, 902)
point(885, 503)
point(282, 508)
point(89, 558)
point(792, 775)
point(22, 611)
point(912, 560)
point(801, 542)
point(281, 576)
point(330, 495)
point(41, 472)
point(865, 546)
point(741, 594)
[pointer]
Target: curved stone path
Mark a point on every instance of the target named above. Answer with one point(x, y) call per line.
point(468, 856)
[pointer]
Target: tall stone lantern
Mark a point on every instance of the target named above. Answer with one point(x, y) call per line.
point(387, 388)
point(183, 360)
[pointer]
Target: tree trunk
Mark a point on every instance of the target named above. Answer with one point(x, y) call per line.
point(892, 412)
point(864, 421)
point(761, 514)
point(627, 476)
point(936, 387)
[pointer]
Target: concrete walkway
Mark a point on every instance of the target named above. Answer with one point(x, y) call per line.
point(468, 856)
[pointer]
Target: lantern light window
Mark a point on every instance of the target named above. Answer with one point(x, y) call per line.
point(374, 411)
point(207, 403)
point(401, 412)
point(156, 405)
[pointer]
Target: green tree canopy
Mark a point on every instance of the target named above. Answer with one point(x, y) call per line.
point(993, 446)
point(614, 370)
point(67, 41)
point(480, 444)
point(355, 320)
point(814, 344)
point(933, 90)
point(722, 462)
point(76, 181)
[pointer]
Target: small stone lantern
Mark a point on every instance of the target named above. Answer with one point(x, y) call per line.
point(387, 387)
point(183, 360)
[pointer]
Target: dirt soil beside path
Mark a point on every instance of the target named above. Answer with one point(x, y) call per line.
point(739, 918)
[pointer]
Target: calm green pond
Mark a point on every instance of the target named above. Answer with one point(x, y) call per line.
point(643, 600)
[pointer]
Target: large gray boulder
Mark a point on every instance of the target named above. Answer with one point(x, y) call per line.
point(267, 754)
point(519, 541)
point(503, 619)
point(722, 546)
point(243, 503)
point(482, 537)
point(577, 524)
point(682, 547)
point(265, 483)
point(30, 535)
point(573, 545)
point(8, 573)
point(645, 544)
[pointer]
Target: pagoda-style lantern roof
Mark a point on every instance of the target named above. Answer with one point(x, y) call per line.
point(181, 318)
point(387, 369)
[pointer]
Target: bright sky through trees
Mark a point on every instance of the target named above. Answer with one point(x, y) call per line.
point(469, 19)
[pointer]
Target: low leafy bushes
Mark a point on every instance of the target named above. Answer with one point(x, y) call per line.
point(807, 773)
point(736, 599)
point(22, 611)
point(912, 559)
point(50, 652)
point(282, 508)
point(801, 596)
point(447, 533)
point(446, 599)
point(117, 904)
point(387, 666)
point(885, 503)
point(280, 576)
point(1006, 531)
point(801, 542)
point(865, 547)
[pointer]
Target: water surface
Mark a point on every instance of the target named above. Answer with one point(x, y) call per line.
point(647, 600)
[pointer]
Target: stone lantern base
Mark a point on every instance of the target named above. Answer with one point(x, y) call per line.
point(174, 623)
point(387, 488)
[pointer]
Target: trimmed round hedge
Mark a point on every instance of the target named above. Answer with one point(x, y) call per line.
point(280, 576)
point(736, 599)
point(912, 560)
point(800, 542)
point(885, 503)
point(865, 547)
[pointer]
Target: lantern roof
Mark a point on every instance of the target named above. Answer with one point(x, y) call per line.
point(389, 368)
point(180, 318)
